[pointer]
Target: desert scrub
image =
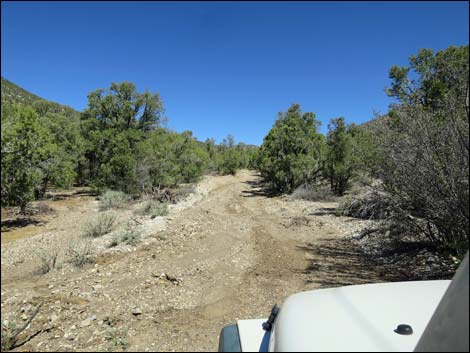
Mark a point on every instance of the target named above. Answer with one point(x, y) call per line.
point(113, 199)
point(80, 252)
point(183, 191)
point(371, 205)
point(153, 208)
point(38, 208)
point(312, 193)
point(48, 257)
point(99, 226)
point(117, 338)
point(130, 235)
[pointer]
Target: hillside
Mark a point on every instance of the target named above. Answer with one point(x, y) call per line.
point(16, 94)
point(13, 93)
point(373, 124)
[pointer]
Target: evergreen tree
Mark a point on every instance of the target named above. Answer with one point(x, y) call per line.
point(291, 153)
point(26, 145)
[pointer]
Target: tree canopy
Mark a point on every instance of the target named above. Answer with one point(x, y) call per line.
point(291, 153)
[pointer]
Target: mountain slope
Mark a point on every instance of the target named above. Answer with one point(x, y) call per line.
point(12, 93)
point(16, 94)
point(375, 124)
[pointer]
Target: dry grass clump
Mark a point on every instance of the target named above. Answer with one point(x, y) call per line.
point(312, 193)
point(48, 257)
point(80, 252)
point(172, 195)
point(99, 226)
point(370, 205)
point(153, 208)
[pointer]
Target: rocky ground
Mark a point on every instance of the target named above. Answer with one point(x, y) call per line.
point(229, 251)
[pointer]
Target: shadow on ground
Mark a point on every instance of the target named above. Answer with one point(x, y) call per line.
point(12, 224)
point(324, 211)
point(337, 263)
point(64, 196)
point(258, 188)
point(342, 262)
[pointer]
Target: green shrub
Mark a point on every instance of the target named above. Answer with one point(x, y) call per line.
point(117, 338)
point(26, 146)
point(130, 235)
point(113, 199)
point(100, 226)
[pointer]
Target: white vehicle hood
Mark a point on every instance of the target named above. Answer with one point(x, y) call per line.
point(351, 318)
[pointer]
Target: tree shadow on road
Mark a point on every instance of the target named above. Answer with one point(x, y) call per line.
point(337, 263)
point(342, 262)
point(258, 188)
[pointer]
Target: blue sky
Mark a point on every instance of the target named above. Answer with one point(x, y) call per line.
point(225, 67)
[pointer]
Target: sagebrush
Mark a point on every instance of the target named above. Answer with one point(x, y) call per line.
point(312, 193)
point(130, 235)
point(101, 225)
point(80, 252)
point(111, 199)
point(153, 208)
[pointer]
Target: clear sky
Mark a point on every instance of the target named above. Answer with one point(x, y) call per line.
point(225, 67)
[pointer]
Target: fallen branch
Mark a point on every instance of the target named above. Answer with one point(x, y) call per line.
point(29, 338)
point(136, 221)
point(9, 342)
point(365, 232)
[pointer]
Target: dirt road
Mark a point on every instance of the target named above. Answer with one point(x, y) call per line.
point(233, 254)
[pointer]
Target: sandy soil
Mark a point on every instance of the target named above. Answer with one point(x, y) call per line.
point(229, 251)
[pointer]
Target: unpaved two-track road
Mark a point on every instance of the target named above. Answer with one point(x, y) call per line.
point(234, 254)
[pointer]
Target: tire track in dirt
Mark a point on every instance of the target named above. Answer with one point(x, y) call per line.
point(274, 269)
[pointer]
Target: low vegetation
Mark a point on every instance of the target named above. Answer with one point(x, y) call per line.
point(129, 235)
point(368, 205)
point(312, 193)
point(101, 225)
point(117, 337)
point(111, 199)
point(153, 208)
point(80, 252)
point(48, 260)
